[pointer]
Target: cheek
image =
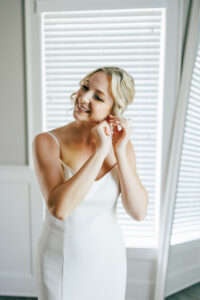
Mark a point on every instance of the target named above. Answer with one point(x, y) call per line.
point(79, 93)
point(99, 107)
point(96, 107)
point(76, 97)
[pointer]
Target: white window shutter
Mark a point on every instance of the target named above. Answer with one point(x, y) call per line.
point(75, 43)
point(186, 221)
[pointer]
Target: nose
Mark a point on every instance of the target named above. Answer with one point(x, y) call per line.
point(86, 97)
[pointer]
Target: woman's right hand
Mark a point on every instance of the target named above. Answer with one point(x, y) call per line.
point(103, 136)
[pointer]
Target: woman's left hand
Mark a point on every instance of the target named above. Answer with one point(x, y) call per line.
point(120, 137)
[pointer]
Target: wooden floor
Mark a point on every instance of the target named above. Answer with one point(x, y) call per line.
point(191, 293)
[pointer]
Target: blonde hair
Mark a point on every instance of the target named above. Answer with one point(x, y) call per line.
point(122, 88)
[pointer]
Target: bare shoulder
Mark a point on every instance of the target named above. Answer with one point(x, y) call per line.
point(47, 166)
point(41, 139)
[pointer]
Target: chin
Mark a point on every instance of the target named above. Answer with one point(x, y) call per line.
point(79, 117)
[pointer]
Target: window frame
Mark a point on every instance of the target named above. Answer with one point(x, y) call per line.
point(168, 93)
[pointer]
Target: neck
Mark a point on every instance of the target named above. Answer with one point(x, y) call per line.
point(83, 131)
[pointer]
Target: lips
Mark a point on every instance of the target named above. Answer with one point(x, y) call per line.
point(79, 106)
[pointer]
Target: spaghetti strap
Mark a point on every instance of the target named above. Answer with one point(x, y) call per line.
point(55, 138)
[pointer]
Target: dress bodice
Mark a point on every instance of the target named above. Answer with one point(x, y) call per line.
point(101, 199)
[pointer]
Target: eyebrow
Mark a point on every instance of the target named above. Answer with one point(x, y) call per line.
point(97, 89)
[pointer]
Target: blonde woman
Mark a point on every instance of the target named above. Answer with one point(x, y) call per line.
point(82, 168)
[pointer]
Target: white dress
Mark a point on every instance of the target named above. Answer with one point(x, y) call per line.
point(84, 256)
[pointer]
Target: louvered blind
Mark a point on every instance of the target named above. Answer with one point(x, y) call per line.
point(77, 42)
point(186, 221)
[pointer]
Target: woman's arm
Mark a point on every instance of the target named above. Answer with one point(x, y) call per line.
point(63, 196)
point(134, 195)
point(68, 195)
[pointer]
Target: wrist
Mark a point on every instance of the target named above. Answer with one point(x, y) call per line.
point(119, 152)
point(101, 152)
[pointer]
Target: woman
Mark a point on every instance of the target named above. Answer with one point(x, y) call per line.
point(82, 167)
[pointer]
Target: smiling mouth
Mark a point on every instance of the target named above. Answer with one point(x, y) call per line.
point(82, 109)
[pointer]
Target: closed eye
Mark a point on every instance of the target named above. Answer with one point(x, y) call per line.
point(99, 98)
point(86, 88)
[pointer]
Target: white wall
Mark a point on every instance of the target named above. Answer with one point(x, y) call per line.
point(12, 84)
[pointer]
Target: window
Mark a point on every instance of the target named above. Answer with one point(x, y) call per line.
point(186, 221)
point(76, 42)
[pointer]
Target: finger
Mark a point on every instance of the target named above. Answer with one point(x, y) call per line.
point(114, 120)
point(114, 124)
point(108, 129)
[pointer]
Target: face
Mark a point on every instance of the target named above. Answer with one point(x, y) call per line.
point(95, 97)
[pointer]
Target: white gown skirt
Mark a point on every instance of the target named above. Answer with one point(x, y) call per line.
point(85, 262)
